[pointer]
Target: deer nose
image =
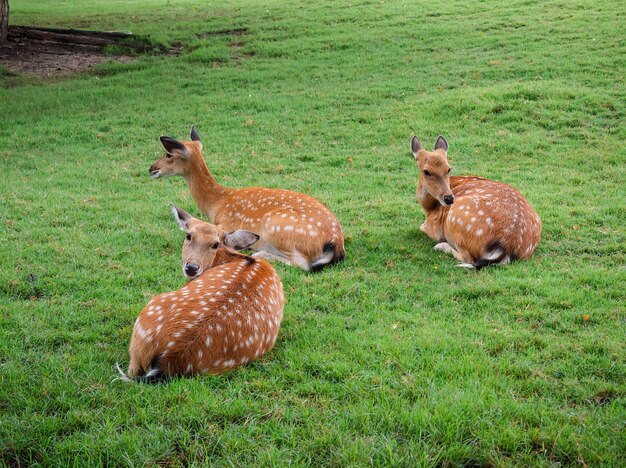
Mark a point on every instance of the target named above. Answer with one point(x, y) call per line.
point(449, 199)
point(191, 269)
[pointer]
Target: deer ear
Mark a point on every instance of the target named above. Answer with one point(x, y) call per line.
point(441, 143)
point(240, 239)
point(193, 134)
point(415, 146)
point(181, 217)
point(173, 146)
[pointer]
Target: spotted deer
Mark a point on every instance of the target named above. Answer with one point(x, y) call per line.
point(479, 221)
point(228, 314)
point(293, 228)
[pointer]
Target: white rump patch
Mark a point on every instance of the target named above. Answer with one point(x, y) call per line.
point(493, 254)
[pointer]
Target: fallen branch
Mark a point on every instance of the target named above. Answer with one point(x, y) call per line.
point(81, 32)
point(75, 36)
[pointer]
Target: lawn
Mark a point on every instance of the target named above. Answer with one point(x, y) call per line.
point(394, 356)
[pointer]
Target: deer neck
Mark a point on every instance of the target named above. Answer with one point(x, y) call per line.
point(205, 190)
point(226, 255)
point(436, 214)
point(429, 203)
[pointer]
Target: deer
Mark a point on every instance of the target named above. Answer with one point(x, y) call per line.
point(293, 228)
point(227, 314)
point(479, 221)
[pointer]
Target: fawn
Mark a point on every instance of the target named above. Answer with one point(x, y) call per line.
point(229, 312)
point(293, 228)
point(479, 221)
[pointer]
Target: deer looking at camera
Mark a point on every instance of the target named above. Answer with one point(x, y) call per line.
point(229, 313)
point(292, 227)
point(479, 221)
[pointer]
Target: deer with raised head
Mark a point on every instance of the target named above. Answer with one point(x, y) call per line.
point(293, 228)
point(228, 314)
point(479, 221)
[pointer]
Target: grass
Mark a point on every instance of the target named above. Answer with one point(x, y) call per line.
point(393, 357)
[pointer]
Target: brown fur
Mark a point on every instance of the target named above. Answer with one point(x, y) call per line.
point(228, 315)
point(488, 222)
point(293, 227)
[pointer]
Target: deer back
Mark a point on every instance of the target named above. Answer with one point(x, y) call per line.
point(225, 317)
point(486, 214)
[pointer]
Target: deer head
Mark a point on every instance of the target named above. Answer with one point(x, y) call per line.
point(179, 156)
point(203, 242)
point(434, 178)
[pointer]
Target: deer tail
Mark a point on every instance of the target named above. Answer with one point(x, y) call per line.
point(154, 374)
point(496, 254)
point(330, 254)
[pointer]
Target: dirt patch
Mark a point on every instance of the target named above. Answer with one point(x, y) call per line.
point(47, 58)
point(237, 52)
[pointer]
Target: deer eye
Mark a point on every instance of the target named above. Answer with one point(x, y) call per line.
point(188, 236)
point(426, 173)
point(216, 245)
point(449, 170)
point(168, 155)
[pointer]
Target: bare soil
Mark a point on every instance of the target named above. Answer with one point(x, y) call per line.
point(49, 58)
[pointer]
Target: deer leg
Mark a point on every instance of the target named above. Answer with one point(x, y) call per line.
point(431, 230)
point(427, 229)
point(294, 260)
point(466, 260)
point(447, 248)
point(264, 254)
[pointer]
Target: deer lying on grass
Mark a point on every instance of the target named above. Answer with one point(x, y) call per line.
point(479, 221)
point(229, 312)
point(292, 227)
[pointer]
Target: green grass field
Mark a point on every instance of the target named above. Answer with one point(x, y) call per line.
point(393, 357)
